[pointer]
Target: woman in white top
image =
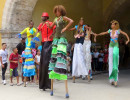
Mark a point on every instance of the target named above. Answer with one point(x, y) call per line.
point(37, 60)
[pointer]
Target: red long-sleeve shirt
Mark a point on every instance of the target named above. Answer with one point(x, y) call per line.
point(45, 31)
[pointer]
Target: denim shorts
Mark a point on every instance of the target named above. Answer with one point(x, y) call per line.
point(37, 66)
point(14, 72)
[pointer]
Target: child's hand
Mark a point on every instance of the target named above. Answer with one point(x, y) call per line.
point(3, 66)
point(16, 62)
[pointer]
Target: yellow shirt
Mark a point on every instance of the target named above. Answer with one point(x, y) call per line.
point(29, 31)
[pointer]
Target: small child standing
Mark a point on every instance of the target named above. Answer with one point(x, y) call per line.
point(37, 60)
point(23, 61)
point(100, 59)
point(14, 57)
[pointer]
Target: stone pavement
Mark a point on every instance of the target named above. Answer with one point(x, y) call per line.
point(98, 89)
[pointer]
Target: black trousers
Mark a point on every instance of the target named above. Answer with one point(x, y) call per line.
point(100, 65)
point(95, 63)
point(3, 71)
point(44, 81)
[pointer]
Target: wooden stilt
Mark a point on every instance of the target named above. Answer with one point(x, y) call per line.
point(73, 79)
point(51, 87)
point(35, 78)
point(51, 84)
point(25, 80)
point(66, 87)
point(88, 78)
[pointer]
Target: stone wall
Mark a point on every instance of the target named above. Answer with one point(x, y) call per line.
point(16, 15)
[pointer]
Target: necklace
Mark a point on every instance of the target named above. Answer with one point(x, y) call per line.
point(58, 20)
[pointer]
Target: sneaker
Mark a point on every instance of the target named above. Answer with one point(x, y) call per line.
point(18, 84)
point(11, 84)
point(21, 83)
point(36, 82)
point(4, 83)
point(26, 83)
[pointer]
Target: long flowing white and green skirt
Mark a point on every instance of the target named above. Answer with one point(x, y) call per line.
point(113, 61)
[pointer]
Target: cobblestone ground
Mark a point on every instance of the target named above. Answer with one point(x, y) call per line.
point(98, 89)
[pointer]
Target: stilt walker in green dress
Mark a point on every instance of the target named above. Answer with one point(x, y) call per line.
point(58, 62)
point(114, 50)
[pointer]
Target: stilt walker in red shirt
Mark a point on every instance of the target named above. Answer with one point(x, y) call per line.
point(44, 82)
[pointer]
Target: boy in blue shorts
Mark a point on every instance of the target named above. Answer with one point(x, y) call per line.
point(14, 57)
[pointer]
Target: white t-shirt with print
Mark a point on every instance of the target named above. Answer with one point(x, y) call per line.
point(95, 54)
point(101, 57)
point(38, 58)
point(4, 55)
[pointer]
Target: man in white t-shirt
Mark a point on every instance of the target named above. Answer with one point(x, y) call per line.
point(3, 61)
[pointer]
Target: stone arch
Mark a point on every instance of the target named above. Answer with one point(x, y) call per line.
point(16, 15)
point(15, 12)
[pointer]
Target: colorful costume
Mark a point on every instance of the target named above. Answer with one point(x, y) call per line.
point(44, 81)
point(113, 56)
point(58, 62)
point(29, 65)
point(79, 67)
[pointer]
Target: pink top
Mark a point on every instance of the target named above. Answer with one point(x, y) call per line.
point(117, 32)
point(34, 52)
